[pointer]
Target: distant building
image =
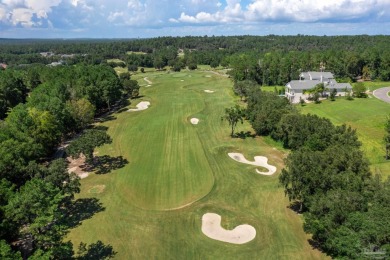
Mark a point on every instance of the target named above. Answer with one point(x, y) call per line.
point(55, 63)
point(296, 89)
point(46, 54)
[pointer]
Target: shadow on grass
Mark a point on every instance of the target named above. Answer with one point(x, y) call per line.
point(137, 97)
point(80, 210)
point(244, 135)
point(105, 119)
point(105, 164)
point(95, 251)
point(315, 245)
point(100, 127)
point(296, 207)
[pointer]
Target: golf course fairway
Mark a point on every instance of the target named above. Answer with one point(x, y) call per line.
point(152, 207)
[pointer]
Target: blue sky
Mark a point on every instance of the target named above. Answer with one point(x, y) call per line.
point(152, 18)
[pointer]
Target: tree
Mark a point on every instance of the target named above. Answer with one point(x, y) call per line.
point(85, 144)
point(131, 87)
point(348, 95)
point(265, 109)
point(241, 88)
point(6, 252)
point(301, 101)
point(359, 90)
point(234, 115)
point(82, 112)
point(387, 137)
point(35, 207)
point(333, 94)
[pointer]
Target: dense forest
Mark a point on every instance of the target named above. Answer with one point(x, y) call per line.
point(43, 106)
point(344, 206)
point(269, 60)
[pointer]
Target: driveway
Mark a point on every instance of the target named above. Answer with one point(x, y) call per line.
point(381, 93)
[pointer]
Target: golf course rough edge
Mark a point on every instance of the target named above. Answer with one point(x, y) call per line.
point(259, 161)
point(140, 106)
point(211, 227)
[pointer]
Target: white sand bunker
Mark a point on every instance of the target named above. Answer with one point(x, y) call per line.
point(211, 227)
point(140, 106)
point(194, 121)
point(259, 161)
point(209, 91)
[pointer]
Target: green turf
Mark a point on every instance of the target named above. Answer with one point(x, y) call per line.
point(367, 116)
point(174, 164)
point(115, 60)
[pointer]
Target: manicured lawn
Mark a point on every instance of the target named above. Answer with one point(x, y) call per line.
point(367, 116)
point(174, 164)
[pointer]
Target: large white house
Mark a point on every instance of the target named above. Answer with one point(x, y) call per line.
point(295, 89)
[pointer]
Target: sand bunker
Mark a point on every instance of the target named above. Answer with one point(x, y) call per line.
point(140, 106)
point(209, 91)
point(259, 161)
point(211, 227)
point(194, 121)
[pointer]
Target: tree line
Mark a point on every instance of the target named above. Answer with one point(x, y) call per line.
point(268, 60)
point(43, 106)
point(326, 177)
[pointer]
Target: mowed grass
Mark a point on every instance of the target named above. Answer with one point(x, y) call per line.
point(178, 171)
point(368, 117)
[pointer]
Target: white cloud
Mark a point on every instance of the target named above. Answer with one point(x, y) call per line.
point(294, 11)
point(22, 16)
point(114, 16)
point(21, 12)
point(135, 5)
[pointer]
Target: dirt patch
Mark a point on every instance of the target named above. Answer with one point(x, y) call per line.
point(78, 166)
point(211, 227)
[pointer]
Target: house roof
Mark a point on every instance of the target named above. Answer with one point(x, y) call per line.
point(313, 75)
point(308, 84)
point(302, 84)
point(341, 86)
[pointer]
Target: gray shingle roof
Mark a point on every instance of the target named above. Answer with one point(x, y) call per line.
point(308, 84)
point(302, 84)
point(313, 75)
